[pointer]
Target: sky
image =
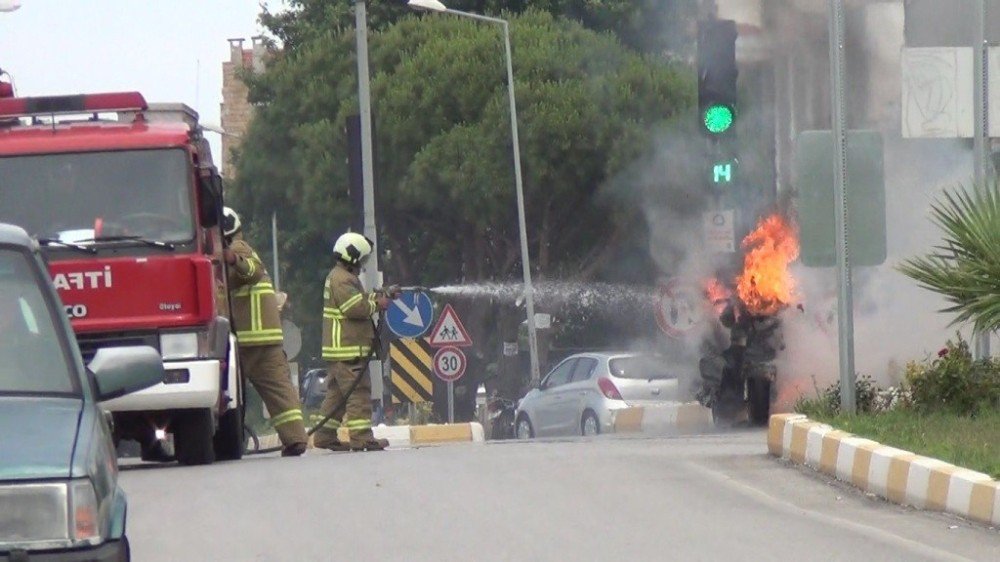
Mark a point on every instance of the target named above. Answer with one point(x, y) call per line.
point(171, 51)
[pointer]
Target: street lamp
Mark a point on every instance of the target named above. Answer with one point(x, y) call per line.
point(529, 297)
point(9, 5)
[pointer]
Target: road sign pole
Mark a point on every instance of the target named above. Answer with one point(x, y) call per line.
point(451, 402)
point(981, 126)
point(845, 305)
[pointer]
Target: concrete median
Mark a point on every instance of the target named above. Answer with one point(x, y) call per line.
point(896, 475)
point(666, 418)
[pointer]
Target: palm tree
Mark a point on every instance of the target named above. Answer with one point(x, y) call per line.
point(965, 269)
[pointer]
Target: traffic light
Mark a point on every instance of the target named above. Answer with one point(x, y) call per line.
point(717, 75)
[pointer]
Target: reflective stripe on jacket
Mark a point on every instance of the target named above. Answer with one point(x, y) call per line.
point(347, 312)
point(255, 307)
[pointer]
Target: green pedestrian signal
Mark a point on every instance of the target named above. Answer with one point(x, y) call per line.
point(718, 118)
point(722, 172)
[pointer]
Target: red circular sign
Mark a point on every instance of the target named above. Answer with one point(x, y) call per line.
point(679, 308)
point(449, 364)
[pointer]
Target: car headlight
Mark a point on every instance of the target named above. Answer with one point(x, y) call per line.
point(183, 345)
point(38, 516)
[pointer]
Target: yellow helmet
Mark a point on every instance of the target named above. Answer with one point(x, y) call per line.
point(353, 248)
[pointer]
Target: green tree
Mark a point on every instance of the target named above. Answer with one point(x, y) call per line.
point(652, 26)
point(965, 269)
point(588, 108)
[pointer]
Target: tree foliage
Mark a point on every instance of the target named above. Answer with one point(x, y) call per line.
point(965, 269)
point(652, 26)
point(587, 106)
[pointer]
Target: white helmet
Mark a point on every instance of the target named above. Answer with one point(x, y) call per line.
point(353, 248)
point(230, 222)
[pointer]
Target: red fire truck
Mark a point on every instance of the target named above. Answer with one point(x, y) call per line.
point(126, 201)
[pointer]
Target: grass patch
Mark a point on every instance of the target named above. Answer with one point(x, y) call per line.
point(969, 442)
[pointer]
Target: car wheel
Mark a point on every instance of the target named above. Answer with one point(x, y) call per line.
point(524, 429)
point(589, 424)
point(229, 442)
point(759, 394)
point(193, 433)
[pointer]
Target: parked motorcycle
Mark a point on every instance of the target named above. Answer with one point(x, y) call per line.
point(501, 417)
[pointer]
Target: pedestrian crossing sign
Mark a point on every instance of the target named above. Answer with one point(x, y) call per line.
point(449, 330)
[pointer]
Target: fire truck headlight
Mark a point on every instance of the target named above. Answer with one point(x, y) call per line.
point(179, 345)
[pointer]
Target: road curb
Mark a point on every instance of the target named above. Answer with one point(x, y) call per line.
point(686, 417)
point(408, 435)
point(894, 474)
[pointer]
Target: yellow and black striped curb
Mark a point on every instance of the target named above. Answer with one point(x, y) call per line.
point(409, 435)
point(683, 417)
point(896, 475)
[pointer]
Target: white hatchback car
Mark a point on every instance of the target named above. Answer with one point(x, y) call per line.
point(579, 396)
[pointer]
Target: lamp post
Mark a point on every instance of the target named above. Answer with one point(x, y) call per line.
point(529, 298)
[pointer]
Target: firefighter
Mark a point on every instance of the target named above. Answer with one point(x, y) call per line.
point(348, 337)
point(258, 332)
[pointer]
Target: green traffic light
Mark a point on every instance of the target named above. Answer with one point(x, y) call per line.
point(718, 118)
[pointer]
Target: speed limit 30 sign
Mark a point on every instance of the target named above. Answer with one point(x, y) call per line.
point(449, 364)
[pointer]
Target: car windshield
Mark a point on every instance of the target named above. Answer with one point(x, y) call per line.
point(644, 367)
point(92, 195)
point(33, 358)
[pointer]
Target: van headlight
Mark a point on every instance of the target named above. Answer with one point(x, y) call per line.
point(39, 516)
point(183, 345)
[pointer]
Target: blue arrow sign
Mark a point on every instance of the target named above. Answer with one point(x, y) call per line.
point(410, 315)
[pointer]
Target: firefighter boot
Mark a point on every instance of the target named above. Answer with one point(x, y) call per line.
point(372, 444)
point(294, 450)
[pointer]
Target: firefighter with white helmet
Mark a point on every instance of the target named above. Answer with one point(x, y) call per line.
point(257, 322)
point(348, 340)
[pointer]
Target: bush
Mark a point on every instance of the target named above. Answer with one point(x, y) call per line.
point(954, 382)
point(868, 397)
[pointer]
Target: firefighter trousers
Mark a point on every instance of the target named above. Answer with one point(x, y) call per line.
point(356, 414)
point(266, 367)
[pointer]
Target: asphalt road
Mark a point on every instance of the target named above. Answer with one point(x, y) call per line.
point(713, 497)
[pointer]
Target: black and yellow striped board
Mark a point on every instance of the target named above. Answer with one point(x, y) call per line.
point(412, 370)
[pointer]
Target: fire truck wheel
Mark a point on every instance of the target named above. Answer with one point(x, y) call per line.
point(759, 398)
point(230, 443)
point(193, 432)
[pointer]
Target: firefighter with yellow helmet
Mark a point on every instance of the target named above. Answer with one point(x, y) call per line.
point(348, 337)
point(257, 322)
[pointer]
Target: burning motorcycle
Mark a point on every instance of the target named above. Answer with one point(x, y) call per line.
point(739, 376)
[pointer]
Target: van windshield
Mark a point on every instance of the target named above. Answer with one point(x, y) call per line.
point(86, 196)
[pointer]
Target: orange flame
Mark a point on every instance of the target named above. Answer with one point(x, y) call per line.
point(766, 286)
point(717, 294)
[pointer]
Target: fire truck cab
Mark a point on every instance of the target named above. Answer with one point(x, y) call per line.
point(126, 203)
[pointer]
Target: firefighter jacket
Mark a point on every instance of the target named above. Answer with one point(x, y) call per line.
point(255, 306)
point(347, 310)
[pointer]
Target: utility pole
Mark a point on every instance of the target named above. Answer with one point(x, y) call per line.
point(845, 297)
point(371, 276)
